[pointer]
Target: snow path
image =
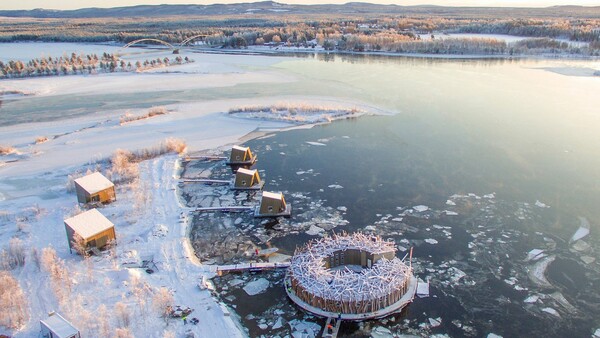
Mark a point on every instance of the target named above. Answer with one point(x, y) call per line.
point(177, 269)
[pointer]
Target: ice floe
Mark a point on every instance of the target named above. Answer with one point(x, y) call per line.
point(335, 186)
point(381, 332)
point(450, 202)
point(304, 329)
point(315, 143)
point(450, 213)
point(584, 230)
point(537, 272)
point(435, 322)
point(540, 204)
point(551, 311)
point(314, 230)
point(420, 208)
point(256, 287)
point(535, 254)
point(431, 241)
point(531, 299)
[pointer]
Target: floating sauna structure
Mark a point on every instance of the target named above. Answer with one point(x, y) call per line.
point(356, 276)
point(241, 156)
point(272, 205)
point(95, 229)
point(94, 188)
point(246, 179)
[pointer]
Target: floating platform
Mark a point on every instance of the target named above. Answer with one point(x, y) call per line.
point(243, 163)
point(258, 186)
point(286, 213)
point(406, 299)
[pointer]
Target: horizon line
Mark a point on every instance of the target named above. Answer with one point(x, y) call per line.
point(525, 6)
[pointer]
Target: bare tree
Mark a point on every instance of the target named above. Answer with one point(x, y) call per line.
point(123, 333)
point(80, 246)
point(122, 313)
point(163, 302)
point(13, 306)
point(103, 321)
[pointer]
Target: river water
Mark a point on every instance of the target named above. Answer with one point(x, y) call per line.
point(505, 155)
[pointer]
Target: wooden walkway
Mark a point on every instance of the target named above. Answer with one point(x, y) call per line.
point(223, 209)
point(332, 327)
point(205, 181)
point(205, 158)
point(259, 266)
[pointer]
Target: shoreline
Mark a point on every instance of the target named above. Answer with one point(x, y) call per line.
point(292, 51)
point(287, 51)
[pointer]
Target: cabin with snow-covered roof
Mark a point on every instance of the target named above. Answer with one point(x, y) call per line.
point(246, 179)
point(94, 188)
point(273, 205)
point(95, 229)
point(241, 156)
point(55, 326)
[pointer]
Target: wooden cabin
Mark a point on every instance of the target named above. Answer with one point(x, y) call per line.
point(246, 179)
point(94, 188)
point(272, 205)
point(95, 229)
point(241, 156)
point(55, 326)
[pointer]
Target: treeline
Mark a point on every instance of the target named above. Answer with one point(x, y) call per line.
point(574, 30)
point(80, 64)
point(236, 31)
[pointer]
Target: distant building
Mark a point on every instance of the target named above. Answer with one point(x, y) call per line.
point(246, 179)
point(55, 326)
point(272, 205)
point(95, 188)
point(95, 229)
point(241, 156)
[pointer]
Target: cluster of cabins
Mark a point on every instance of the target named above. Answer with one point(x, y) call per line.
point(271, 204)
point(91, 230)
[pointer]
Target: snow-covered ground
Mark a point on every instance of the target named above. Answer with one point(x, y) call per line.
point(148, 216)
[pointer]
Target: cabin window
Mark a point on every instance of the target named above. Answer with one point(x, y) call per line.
point(237, 157)
point(244, 182)
point(270, 208)
point(95, 198)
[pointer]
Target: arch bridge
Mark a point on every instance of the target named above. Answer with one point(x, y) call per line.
point(190, 39)
point(149, 39)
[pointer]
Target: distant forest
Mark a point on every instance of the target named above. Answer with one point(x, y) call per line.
point(547, 29)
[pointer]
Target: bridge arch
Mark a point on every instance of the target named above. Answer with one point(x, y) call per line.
point(191, 38)
point(149, 39)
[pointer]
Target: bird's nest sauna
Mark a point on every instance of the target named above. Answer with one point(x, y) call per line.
point(355, 277)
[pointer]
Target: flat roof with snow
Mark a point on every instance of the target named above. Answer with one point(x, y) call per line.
point(239, 148)
point(89, 223)
point(94, 183)
point(59, 326)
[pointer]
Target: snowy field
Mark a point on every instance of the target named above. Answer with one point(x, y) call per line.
point(100, 295)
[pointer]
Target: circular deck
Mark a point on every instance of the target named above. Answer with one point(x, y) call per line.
point(355, 277)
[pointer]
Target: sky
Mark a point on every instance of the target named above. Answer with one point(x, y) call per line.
point(74, 4)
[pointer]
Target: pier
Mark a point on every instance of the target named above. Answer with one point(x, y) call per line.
point(257, 266)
